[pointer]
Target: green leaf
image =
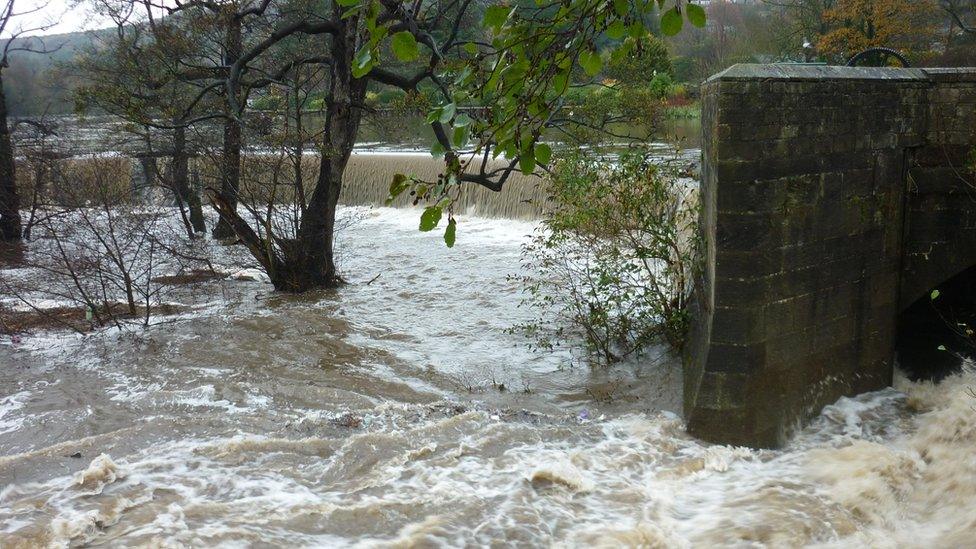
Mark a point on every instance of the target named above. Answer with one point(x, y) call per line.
point(363, 57)
point(935, 294)
point(347, 3)
point(621, 7)
point(430, 218)
point(400, 183)
point(543, 153)
point(471, 48)
point(460, 137)
point(437, 150)
point(463, 76)
point(372, 14)
point(696, 15)
point(620, 54)
point(527, 162)
point(591, 62)
point(404, 46)
point(450, 235)
point(352, 11)
point(462, 120)
point(560, 82)
point(510, 150)
point(362, 63)
point(671, 22)
point(495, 17)
point(637, 30)
point(617, 30)
point(447, 113)
point(359, 72)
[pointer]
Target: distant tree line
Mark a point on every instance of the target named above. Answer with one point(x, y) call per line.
point(37, 84)
point(929, 32)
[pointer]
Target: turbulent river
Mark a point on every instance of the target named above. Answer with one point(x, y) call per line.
point(397, 411)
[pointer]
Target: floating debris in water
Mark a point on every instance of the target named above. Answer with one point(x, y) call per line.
point(349, 421)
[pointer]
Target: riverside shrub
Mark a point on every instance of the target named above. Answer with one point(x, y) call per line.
point(613, 260)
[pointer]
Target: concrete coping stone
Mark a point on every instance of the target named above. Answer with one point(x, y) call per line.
point(961, 74)
point(799, 72)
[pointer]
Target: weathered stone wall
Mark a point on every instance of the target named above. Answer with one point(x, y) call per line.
point(940, 225)
point(805, 220)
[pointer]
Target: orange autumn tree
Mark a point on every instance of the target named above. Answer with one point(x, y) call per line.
point(856, 25)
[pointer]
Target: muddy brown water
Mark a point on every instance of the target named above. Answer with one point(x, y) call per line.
point(374, 416)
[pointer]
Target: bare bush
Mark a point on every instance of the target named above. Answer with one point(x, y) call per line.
point(97, 250)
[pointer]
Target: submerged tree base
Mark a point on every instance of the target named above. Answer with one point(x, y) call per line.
point(297, 279)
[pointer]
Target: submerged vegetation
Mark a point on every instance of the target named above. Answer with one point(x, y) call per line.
point(614, 257)
point(97, 251)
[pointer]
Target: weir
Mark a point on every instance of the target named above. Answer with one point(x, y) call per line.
point(833, 198)
point(366, 182)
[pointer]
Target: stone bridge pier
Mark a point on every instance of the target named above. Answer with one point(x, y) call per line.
point(832, 199)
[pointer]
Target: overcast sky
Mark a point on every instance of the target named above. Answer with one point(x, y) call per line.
point(69, 16)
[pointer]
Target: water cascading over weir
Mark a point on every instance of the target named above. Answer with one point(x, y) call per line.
point(833, 198)
point(367, 182)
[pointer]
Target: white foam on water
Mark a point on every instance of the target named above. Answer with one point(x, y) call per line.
point(270, 443)
point(9, 405)
point(469, 479)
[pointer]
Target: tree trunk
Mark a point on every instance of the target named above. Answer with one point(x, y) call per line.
point(173, 180)
point(181, 180)
point(230, 172)
point(307, 261)
point(41, 170)
point(142, 180)
point(299, 151)
point(310, 262)
point(10, 229)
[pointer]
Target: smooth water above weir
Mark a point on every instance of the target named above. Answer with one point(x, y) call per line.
point(397, 411)
point(366, 181)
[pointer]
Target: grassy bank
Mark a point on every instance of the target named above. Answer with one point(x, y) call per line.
point(675, 112)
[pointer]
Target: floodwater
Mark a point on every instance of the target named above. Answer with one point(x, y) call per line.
point(398, 412)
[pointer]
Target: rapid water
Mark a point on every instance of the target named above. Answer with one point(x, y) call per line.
point(397, 412)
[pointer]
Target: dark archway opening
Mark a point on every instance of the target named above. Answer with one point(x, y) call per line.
point(936, 334)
